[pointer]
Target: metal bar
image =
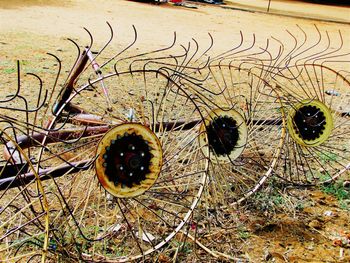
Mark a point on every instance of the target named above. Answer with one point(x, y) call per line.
point(44, 174)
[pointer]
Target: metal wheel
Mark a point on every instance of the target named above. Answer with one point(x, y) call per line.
point(316, 102)
point(245, 129)
point(149, 170)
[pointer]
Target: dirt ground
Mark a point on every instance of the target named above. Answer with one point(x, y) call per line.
point(311, 226)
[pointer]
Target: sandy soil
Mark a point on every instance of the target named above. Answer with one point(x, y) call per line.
point(155, 24)
point(29, 29)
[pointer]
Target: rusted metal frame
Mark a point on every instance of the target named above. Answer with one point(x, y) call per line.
point(45, 174)
point(69, 86)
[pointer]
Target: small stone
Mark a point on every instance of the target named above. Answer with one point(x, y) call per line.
point(328, 213)
point(116, 228)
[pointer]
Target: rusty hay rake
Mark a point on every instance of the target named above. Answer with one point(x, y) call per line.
point(113, 168)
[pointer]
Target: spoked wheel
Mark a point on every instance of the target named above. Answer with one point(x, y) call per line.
point(316, 100)
point(24, 219)
point(244, 129)
point(148, 172)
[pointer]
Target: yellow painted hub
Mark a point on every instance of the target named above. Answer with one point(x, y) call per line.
point(310, 123)
point(129, 160)
point(226, 133)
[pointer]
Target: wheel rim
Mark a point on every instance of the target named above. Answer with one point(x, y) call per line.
point(242, 95)
point(129, 160)
point(310, 123)
point(313, 158)
point(143, 217)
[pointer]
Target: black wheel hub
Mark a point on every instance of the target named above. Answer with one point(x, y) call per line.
point(127, 159)
point(223, 135)
point(310, 122)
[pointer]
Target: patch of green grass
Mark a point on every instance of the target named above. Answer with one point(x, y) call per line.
point(274, 199)
point(321, 176)
point(185, 247)
point(339, 191)
point(9, 70)
point(328, 157)
point(243, 233)
point(268, 201)
point(345, 204)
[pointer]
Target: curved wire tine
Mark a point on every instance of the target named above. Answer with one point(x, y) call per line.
point(324, 55)
point(105, 45)
point(171, 66)
point(327, 56)
point(186, 67)
point(9, 153)
point(91, 38)
point(211, 44)
point(237, 51)
point(284, 59)
point(318, 41)
point(302, 57)
point(26, 111)
point(218, 57)
point(322, 52)
point(162, 60)
point(43, 202)
point(123, 50)
point(242, 53)
point(26, 105)
point(186, 50)
point(53, 89)
point(178, 66)
point(195, 51)
point(189, 62)
point(78, 68)
point(39, 96)
point(289, 56)
point(259, 63)
point(76, 60)
point(172, 44)
point(188, 72)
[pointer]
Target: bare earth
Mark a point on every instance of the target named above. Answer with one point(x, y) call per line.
point(30, 29)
